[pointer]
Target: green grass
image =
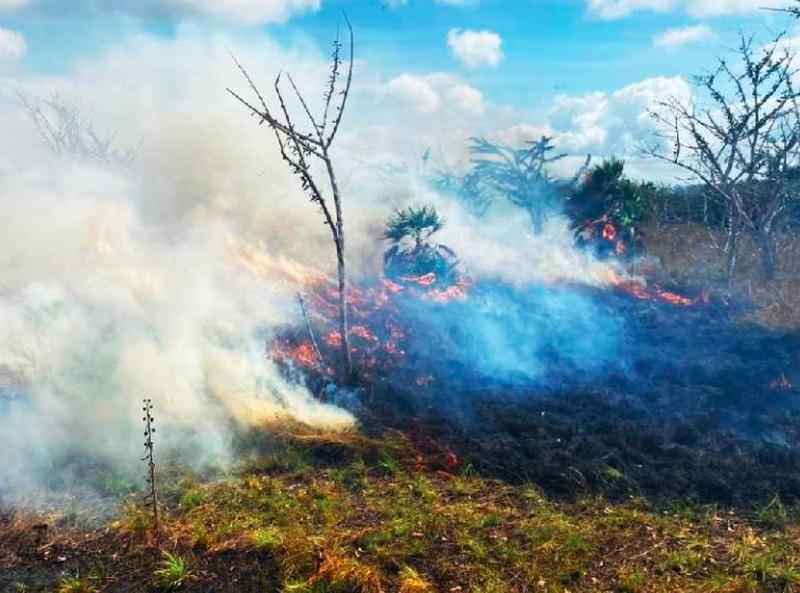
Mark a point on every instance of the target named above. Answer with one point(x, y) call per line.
point(173, 572)
point(370, 518)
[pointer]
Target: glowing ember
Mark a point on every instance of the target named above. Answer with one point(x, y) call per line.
point(333, 339)
point(426, 280)
point(302, 354)
point(452, 460)
point(609, 232)
point(363, 333)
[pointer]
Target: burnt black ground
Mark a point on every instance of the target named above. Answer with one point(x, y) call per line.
point(687, 403)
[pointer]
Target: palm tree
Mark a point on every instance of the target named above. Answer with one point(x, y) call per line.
point(412, 254)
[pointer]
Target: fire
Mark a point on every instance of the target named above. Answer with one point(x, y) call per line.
point(426, 280)
point(640, 290)
point(609, 232)
point(302, 354)
point(333, 339)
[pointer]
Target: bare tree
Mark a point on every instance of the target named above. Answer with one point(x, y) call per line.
point(66, 131)
point(301, 149)
point(740, 137)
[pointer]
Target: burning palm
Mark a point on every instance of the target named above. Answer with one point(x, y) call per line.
point(413, 257)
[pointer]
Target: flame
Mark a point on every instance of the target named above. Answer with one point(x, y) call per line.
point(254, 257)
point(609, 232)
point(637, 287)
point(302, 353)
point(364, 333)
point(428, 279)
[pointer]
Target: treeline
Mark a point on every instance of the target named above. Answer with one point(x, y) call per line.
point(737, 140)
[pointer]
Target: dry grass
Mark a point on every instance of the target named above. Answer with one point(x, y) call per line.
point(692, 254)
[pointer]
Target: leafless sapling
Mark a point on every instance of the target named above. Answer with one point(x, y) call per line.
point(302, 149)
point(65, 130)
point(151, 499)
point(740, 137)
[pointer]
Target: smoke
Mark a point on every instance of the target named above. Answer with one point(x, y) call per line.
point(164, 277)
point(160, 278)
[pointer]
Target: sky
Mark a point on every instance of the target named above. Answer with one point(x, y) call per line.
point(584, 70)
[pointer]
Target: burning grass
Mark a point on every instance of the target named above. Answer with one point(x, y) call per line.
point(363, 515)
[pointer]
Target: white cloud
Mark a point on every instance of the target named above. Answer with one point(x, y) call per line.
point(249, 11)
point(12, 45)
point(467, 98)
point(396, 3)
point(615, 9)
point(415, 91)
point(722, 7)
point(433, 93)
point(13, 3)
point(681, 36)
point(612, 123)
point(476, 48)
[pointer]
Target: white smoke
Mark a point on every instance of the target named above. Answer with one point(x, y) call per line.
point(163, 277)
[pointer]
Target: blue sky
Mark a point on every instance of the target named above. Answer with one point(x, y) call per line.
point(585, 71)
point(549, 46)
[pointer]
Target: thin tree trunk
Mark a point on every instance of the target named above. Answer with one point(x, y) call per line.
point(344, 331)
point(766, 245)
point(732, 248)
point(347, 360)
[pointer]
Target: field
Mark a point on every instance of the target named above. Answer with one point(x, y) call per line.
point(344, 513)
point(623, 488)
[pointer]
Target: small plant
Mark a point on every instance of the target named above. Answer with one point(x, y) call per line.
point(389, 463)
point(191, 499)
point(632, 583)
point(266, 539)
point(151, 499)
point(412, 582)
point(772, 515)
point(173, 572)
point(76, 584)
point(346, 576)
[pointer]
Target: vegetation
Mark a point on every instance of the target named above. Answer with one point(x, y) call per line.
point(300, 150)
point(741, 139)
point(355, 525)
point(173, 572)
point(412, 253)
point(500, 172)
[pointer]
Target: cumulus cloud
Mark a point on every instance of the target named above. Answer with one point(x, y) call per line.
point(248, 12)
point(612, 123)
point(614, 9)
point(434, 92)
point(12, 45)
point(416, 91)
point(681, 36)
point(476, 48)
